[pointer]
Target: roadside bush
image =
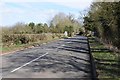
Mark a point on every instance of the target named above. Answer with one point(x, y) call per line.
point(58, 35)
point(104, 22)
point(42, 37)
point(53, 36)
point(14, 39)
point(23, 39)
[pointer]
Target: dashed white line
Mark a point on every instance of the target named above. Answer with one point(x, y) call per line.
point(28, 63)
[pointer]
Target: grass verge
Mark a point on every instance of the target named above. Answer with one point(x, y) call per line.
point(107, 62)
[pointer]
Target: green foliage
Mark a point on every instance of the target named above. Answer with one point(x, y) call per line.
point(14, 39)
point(46, 28)
point(69, 30)
point(32, 25)
point(103, 19)
point(22, 33)
point(60, 21)
point(53, 36)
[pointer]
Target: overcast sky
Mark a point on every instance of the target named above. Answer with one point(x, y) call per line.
point(13, 11)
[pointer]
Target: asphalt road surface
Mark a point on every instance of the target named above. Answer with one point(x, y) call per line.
point(67, 58)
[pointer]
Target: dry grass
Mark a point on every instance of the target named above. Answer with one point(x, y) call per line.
point(34, 40)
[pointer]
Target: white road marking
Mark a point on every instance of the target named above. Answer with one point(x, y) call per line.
point(28, 63)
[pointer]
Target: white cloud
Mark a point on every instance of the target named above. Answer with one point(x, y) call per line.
point(77, 5)
point(34, 14)
point(4, 9)
point(14, 15)
point(11, 10)
point(59, 0)
point(43, 15)
point(69, 3)
point(10, 15)
point(45, 0)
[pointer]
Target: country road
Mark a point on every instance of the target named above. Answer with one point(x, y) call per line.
point(67, 58)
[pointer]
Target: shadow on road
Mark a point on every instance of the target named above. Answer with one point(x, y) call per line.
point(70, 60)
